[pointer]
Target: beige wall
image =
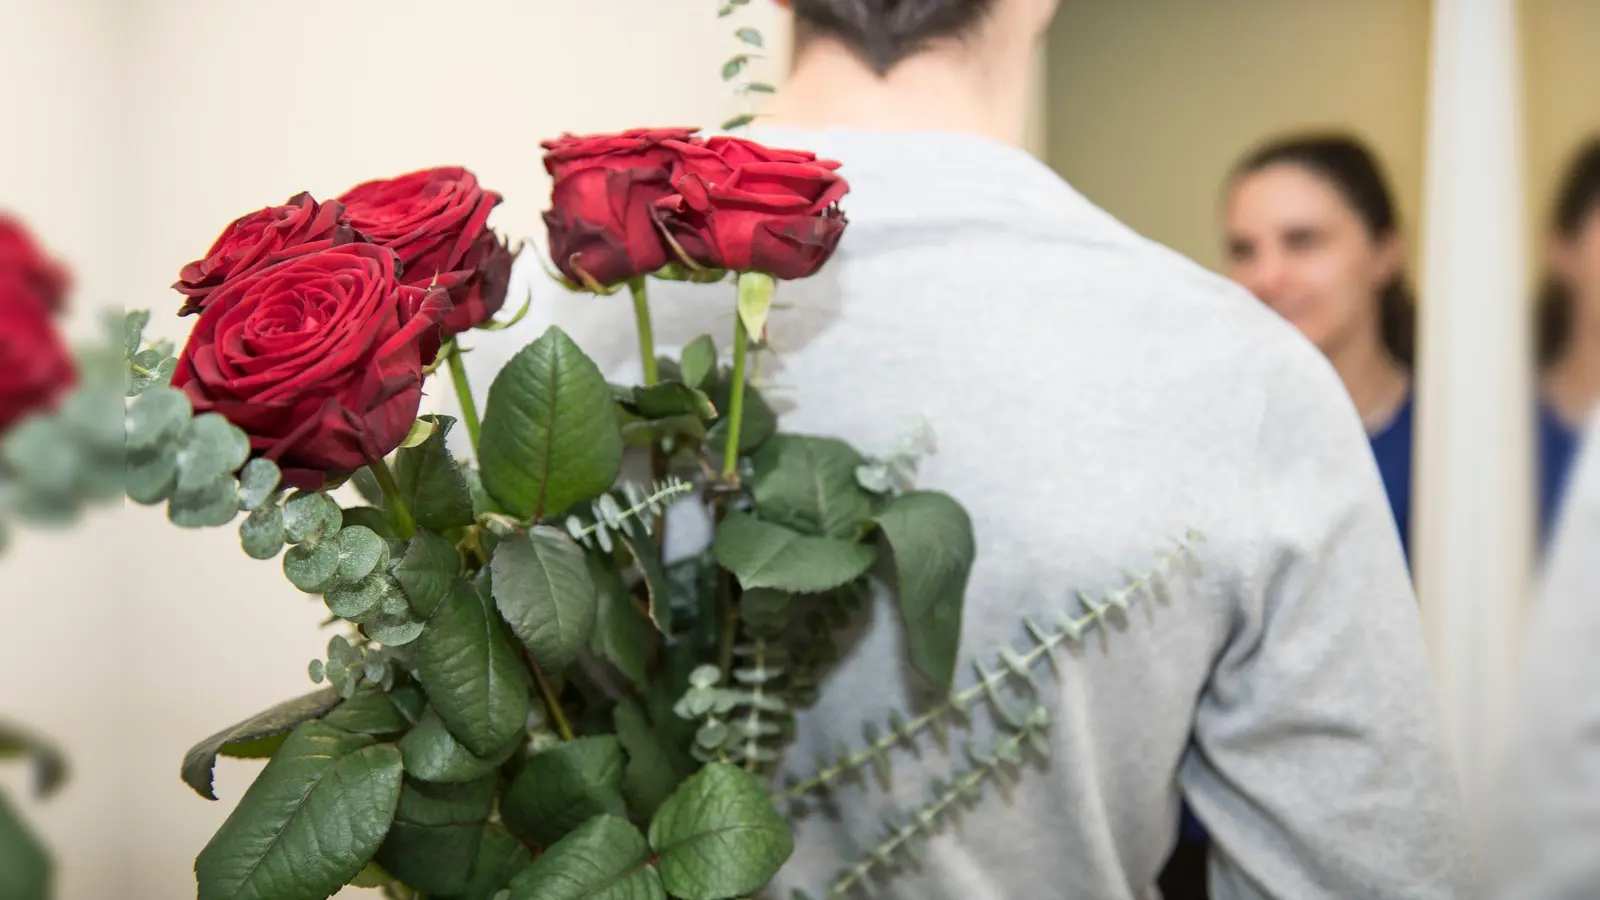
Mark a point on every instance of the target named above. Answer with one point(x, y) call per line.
point(1561, 52)
point(222, 107)
point(1151, 102)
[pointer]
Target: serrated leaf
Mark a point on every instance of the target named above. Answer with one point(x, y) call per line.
point(501, 858)
point(312, 567)
point(933, 548)
point(564, 786)
point(620, 635)
point(542, 587)
point(201, 759)
point(763, 555)
point(655, 766)
point(670, 399)
point(718, 836)
point(471, 672)
point(27, 871)
point(433, 843)
point(809, 484)
point(432, 753)
point(261, 532)
point(312, 819)
point(606, 858)
point(550, 437)
point(431, 481)
point(426, 572)
point(699, 362)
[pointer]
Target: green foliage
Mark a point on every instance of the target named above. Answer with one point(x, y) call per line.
point(563, 787)
point(698, 364)
point(620, 634)
point(379, 712)
point(431, 753)
point(764, 555)
point(201, 759)
point(542, 587)
point(809, 484)
point(931, 536)
point(312, 819)
point(718, 836)
point(501, 858)
point(656, 766)
point(434, 841)
point(430, 565)
point(432, 483)
point(27, 871)
point(48, 763)
point(604, 859)
point(550, 436)
point(470, 671)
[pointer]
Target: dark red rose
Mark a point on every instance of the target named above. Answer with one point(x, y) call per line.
point(755, 209)
point(436, 220)
point(37, 368)
point(639, 148)
point(300, 226)
point(602, 223)
point(319, 359)
point(36, 274)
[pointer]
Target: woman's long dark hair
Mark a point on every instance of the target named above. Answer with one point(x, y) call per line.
point(1353, 170)
point(1578, 200)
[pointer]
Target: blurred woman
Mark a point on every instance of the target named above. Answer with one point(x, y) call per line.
point(1312, 231)
point(1569, 325)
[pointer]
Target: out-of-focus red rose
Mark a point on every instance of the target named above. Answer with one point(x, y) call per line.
point(300, 226)
point(602, 220)
point(35, 367)
point(35, 273)
point(318, 358)
point(743, 206)
point(436, 220)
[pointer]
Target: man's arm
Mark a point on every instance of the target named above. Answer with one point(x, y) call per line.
point(1551, 826)
point(1318, 762)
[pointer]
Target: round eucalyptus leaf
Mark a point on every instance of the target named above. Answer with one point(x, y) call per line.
point(257, 480)
point(394, 631)
point(711, 734)
point(356, 602)
point(208, 506)
point(41, 455)
point(315, 670)
point(395, 603)
point(158, 415)
point(261, 533)
point(151, 479)
point(308, 516)
point(360, 552)
point(210, 446)
point(312, 567)
point(95, 416)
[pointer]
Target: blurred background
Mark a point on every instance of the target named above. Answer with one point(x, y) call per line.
point(137, 128)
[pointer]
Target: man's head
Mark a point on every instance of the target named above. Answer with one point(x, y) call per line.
point(883, 33)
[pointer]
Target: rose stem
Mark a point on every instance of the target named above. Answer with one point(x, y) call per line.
point(405, 526)
point(730, 455)
point(469, 409)
point(647, 341)
point(546, 694)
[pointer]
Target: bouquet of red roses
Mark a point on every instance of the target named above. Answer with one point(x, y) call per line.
point(525, 699)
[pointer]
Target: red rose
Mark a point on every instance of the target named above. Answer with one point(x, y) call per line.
point(639, 148)
point(36, 274)
point(742, 206)
point(301, 225)
point(436, 220)
point(37, 368)
point(602, 221)
point(319, 359)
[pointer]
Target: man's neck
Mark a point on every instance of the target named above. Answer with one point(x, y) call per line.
point(1377, 383)
point(944, 89)
point(1573, 383)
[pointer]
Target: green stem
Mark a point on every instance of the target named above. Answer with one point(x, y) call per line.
point(552, 705)
point(730, 623)
point(741, 353)
point(469, 409)
point(647, 340)
point(405, 525)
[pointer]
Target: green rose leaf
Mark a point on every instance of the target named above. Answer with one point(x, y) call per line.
point(261, 532)
point(620, 634)
point(648, 559)
point(761, 554)
point(718, 836)
point(668, 399)
point(760, 422)
point(437, 829)
point(699, 362)
point(542, 587)
point(313, 818)
point(430, 566)
point(501, 858)
point(550, 436)
point(564, 786)
point(431, 481)
point(933, 548)
point(809, 484)
point(201, 759)
point(367, 517)
point(432, 753)
point(470, 671)
point(606, 858)
point(26, 870)
point(377, 712)
point(655, 767)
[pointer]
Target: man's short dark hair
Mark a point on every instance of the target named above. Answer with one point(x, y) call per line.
point(884, 32)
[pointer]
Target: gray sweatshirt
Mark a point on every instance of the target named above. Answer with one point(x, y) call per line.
point(1551, 838)
point(1094, 398)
